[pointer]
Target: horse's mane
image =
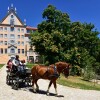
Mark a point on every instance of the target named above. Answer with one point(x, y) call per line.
point(60, 62)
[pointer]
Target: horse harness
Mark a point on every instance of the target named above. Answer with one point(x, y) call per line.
point(55, 74)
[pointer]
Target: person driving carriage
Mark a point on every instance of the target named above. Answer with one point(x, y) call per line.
point(16, 62)
point(16, 65)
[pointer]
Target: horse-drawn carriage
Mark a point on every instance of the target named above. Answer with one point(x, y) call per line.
point(51, 73)
point(15, 78)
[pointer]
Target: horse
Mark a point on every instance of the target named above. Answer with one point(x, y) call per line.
point(51, 73)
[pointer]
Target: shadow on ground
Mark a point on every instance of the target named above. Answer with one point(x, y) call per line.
point(44, 93)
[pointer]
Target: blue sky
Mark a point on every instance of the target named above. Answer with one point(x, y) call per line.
point(31, 10)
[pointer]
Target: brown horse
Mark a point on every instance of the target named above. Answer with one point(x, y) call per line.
point(51, 73)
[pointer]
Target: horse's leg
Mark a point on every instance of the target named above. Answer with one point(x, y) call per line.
point(49, 87)
point(55, 86)
point(37, 87)
point(33, 85)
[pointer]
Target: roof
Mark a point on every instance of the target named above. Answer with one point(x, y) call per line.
point(31, 28)
point(12, 46)
point(11, 10)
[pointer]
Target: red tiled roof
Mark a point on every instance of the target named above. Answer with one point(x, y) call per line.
point(31, 28)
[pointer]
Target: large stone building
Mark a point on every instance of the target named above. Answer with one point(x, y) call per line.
point(14, 38)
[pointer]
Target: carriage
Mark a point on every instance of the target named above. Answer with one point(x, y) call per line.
point(20, 77)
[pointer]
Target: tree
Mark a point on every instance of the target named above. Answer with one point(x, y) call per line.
point(50, 39)
point(59, 39)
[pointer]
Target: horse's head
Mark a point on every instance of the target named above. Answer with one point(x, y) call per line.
point(63, 67)
point(65, 71)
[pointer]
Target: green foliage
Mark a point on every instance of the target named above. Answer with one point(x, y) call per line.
point(59, 39)
point(88, 74)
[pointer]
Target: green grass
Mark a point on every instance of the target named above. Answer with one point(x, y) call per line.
point(1, 65)
point(30, 65)
point(78, 82)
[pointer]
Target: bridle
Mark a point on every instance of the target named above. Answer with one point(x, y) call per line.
point(66, 68)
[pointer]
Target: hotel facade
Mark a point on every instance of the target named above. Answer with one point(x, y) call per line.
point(14, 38)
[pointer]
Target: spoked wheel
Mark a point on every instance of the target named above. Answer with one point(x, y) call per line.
point(8, 80)
point(28, 81)
point(15, 84)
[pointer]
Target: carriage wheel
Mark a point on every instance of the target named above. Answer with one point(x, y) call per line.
point(28, 81)
point(15, 85)
point(8, 80)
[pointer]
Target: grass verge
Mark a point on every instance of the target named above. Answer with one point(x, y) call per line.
point(78, 82)
point(1, 65)
point(30, 65)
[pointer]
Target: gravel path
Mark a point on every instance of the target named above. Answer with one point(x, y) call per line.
point(65, 93)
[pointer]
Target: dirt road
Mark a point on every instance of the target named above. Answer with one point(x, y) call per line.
point(65, 93)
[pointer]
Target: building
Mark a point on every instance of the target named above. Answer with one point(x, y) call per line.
point(14, 38)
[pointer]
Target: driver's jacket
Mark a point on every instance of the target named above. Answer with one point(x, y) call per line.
point(16, 62)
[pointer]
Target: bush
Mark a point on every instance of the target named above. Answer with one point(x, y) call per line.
point(88, 74)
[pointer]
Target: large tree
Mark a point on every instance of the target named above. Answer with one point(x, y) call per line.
point(50, 40)
point(59, 39)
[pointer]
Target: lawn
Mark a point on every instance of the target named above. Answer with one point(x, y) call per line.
point(30, 65)
point(78, 82)
point(1, 65)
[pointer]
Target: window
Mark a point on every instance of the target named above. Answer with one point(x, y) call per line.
point(1, 50)
point(18, 29)
point(12, 21)
point(22, 30)
point(12, 29)
point(22, 51)
point(1, 35)
point(28, 31)
point(1, 28)
point(12, 36)
point(12, 50)
point(5, 28)
point(23, 43)
point(12, 41)
point(18, 50)
point(5, 51)
point(12, 16)
point(1, 42)
point(18, 36)
point(5, 35)
point(5, 42)
point(22, 36)
point(18, 42)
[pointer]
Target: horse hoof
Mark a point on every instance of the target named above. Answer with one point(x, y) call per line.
point(56, 95)
point(47, 94)
point(34, 91)
point(37, 90)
